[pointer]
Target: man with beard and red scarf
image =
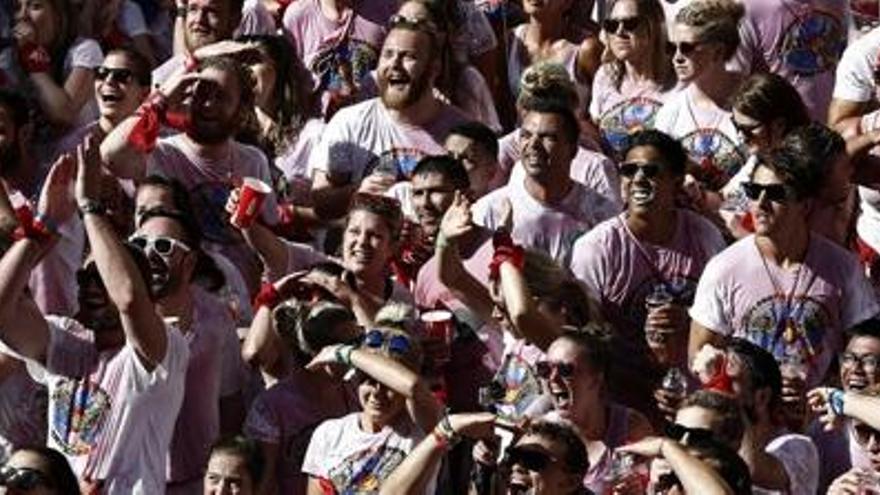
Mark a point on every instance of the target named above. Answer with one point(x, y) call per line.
point(171, 241)
point(208, 106)
point(371, 145)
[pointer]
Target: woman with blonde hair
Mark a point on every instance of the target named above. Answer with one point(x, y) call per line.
point(630, 87)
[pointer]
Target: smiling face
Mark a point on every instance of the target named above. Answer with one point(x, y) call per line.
point(432, 195)
point(572, 395)
point(117, 88)
point(405, 72)
point(366, 243)
point(171, 264)
point(855, 373)
point(379, 404)
point(551, 479)
point(208, 21)
point(653, 185)
point(546, 150)
point(213, 103)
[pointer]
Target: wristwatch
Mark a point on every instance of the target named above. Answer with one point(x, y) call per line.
point(92, 207)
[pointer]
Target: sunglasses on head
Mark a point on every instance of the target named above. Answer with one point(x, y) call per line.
point(397, 344)
point(777, 193)
point(544, 369)
point(686, 48)
point(122, 76)
point(629, 24)
point(531, 459)
point(22, 478)
point(160, 244)
point(677, 432)
point(630, 169)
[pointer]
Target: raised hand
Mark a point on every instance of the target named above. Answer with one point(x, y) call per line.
point(457, 220)
point(56, 201)
point(88, 168)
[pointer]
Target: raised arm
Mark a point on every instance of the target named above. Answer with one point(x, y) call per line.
point(269, 247)
point(521, 308)
point(423, 407)
point(143, 328)
point(696, 476)
point(331, 195)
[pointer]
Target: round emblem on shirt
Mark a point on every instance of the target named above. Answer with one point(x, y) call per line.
point(626, 118)
point(79, 410)
point(813, 43)
point(718, 156)
point(363, 471)
point(785, 329)
point(343, 63)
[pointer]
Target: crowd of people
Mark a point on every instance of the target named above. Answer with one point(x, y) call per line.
point(544, 247)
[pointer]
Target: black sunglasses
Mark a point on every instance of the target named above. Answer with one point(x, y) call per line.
point(630, 169)
point(544, 369)
point(22, 478)
point(532, 460)
point(629, 24)
point(677, 432)
point(122, 76)
point(864, 434)
point(686, 48)
point(776, 193)
point(747, 131)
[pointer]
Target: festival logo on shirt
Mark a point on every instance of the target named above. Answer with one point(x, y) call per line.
point(79, 411)
point(785, 329)
point(343, 64)
point(209, 203)
point(399, 162)
point(626, 118)
point(362, 472)
point(718, 156)
point(813, 43)
point(521, 387)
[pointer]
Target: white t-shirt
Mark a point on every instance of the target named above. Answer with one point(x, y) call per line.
point(552, 229)
point(23, 404)
point(84, 53)
point(108, 415)
point(805, 317)
point(130, 20)
point(855, 72)
point(364, 137)
point(799, 458)
point(355, 461)
point(707, 135)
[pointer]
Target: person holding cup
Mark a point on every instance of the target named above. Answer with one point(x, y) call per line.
point(643, 266)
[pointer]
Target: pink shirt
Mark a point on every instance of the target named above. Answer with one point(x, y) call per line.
point(286, 415)
point(212, 373)
point(363, 138)
point(801, 40)
point(621, 271)
point(738, 296)
point(621, 112)
point(293, 162)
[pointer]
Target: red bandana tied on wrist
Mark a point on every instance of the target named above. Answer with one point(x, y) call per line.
point(34, 58)
point(505, 252)
point(153, 113)
point(268, 296)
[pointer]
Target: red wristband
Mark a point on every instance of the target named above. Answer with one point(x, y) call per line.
point(34, 58)
point(40, 230)
point(268, 296)
point(512, 254)
point(442, 441)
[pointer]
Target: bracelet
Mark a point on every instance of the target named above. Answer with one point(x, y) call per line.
point(92, 207)
point(440, 437)
point(343, 354)
point(34, 58)
point(268, 296)
point(513, 254)
point(835, 401)
point(39, 229)
point(442, 242)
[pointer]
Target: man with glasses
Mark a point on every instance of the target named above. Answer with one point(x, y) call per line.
point(785, 288)
point(115, 373)
point(643, 266)
point(859, 363)
point(172, 242)
point(373, 144)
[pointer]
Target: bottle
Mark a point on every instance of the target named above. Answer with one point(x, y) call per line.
point(675, 382)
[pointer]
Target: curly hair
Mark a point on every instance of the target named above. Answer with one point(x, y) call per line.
point(716, 21)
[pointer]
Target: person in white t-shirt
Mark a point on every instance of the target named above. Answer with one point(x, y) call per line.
point(550, 210)
point(116, 373)
point(355, 453)
point(369, 146)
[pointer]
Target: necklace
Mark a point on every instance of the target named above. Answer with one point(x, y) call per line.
point(786, 326)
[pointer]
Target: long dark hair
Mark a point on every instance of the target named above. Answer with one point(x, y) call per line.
point(60, 474)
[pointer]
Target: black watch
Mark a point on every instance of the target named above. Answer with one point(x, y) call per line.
point(92, 207)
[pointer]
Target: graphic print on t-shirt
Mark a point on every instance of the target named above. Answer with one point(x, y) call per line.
point(786, 329)
point(334, 66)
point(399, 162)
point(80, 408)
point(626, 118)
point(813, 43)
point(521, 387)
point(209, 203)
point(363, 471)
point(718, 156)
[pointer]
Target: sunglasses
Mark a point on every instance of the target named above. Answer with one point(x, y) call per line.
point(22, 478)
point(629, 24)
point(747, 131)
point(396, 344)
point(677, 432)
point(776, 193)
point(630, 169)
point(866, 361)
point(414, 23)
point(532, 460)
point(122, 76)
point(686, 48)
point(544, 369)
point(864, 434)
point(162, 245)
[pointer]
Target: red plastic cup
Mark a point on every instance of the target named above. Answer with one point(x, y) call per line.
point(253, 193)
point(437, 326)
